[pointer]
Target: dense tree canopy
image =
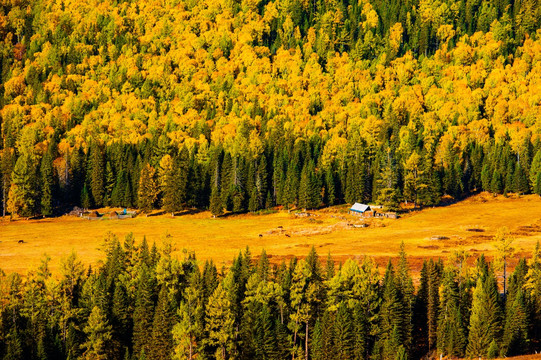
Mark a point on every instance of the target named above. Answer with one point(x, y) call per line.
point(263, 103)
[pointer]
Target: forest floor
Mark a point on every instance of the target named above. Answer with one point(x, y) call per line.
point(430, 233)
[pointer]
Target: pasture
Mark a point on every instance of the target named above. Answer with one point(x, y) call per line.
point(432, 232)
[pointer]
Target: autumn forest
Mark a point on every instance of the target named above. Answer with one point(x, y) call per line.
point(239, 106)
point(242, 106)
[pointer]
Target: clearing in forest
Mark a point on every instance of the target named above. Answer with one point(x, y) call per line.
point(432, 232)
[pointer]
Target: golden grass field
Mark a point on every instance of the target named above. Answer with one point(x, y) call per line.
point(432, 232)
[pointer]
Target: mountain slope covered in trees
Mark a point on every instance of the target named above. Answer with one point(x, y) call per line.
point(249, 104)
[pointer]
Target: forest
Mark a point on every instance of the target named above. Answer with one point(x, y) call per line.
point(141, 302)
point(245, 105)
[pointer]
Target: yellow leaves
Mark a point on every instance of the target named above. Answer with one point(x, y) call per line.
point(15, 86)
point(463, 53)
point(249, 5)
point(395, 38)
point(335, 149)
point(255, 145)
point(165, 168)
point(445, 33)
point(371, 17)
point(520, 136)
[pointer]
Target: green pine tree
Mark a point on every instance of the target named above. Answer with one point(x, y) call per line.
point(451, 332)
point(216, 207)
point(515, 335)
point(537, 187)
point(161, 343)
point(148, 189)
point(109, 184)
point(99, 334)
point(520, 181)
point(188, 330)
point(97, 180)
point(144, 308)
point(219, 322)
point(85, 198)
point(23, 193)
point(485, 320)
point(343, 333)
point(47, 184)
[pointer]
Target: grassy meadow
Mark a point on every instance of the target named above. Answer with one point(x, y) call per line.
point(433, 232)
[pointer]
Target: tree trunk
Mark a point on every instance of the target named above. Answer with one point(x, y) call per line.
point(504, 277)
point(306, 343)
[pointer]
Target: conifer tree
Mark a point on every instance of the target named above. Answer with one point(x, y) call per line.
point(109, 184)
point(47, 183)
point(434, 278)
point(485, 317)
point(309, 195)
point(316, 348)
point(216, 206)
point(188, 330)
point(343, 333)
point(420, 323)
point(414, 185)
point(496, 184)
point(291, 184)
point(23, 194)
point(515, 335)
point(14, 346)
point(391, 323)
point(406, 291)
point(85, 198)
point(261, 185)
point(520, 180)
point(330, 187)
point(96, 174)
point(265, 335)
point(451, 332)
point(328, 346)
point(121, 317)
point(98, 332)
point(144, 308)
point(6, 165)
point(387, 181)
point(161, 344)
point(537, 187)
point(219, 322)
point(148, 189)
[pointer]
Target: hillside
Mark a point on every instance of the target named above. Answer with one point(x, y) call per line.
point(248, 105)
point(430, 233)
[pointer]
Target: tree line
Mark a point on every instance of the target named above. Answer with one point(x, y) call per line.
point(289, 173)
point(244, 106)
point(144, 303)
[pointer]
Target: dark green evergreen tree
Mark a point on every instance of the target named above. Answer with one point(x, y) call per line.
point(343, 333)
point(451, 332)
point(144, 308)
point(97, 174)
point(161, 343)
point(520, 181)
point(47, 183)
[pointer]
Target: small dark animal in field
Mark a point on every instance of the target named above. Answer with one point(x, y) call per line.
point(288, 235)
point(280, 227)
point(260, 235)
point(21, 241)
